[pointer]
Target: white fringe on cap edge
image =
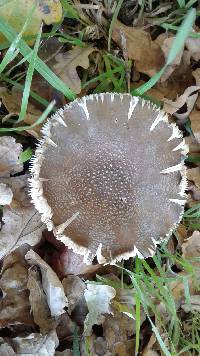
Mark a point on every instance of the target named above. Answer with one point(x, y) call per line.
point(36, 188)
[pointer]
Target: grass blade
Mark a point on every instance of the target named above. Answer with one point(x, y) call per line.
point(40, 66)
point(29, 77)
point(114, 18)
point(12, 52)
point(38, 121)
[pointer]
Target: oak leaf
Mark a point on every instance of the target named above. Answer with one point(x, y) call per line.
point(146, 53)
point(67, 63)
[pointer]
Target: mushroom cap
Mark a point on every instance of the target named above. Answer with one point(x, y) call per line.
point(108, 176)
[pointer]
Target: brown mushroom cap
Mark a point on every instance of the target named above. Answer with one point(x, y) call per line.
point(108, 176)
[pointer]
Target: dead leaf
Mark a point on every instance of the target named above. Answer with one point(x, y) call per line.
point(74, 289)
point(194, 304)
point(19, 226)
point(12, 101)
point(34, 344)
point(98, 299)
point(64, 353)
point(196, 75)
point(166, 46)
point(193, 46)
point(49, 11)
point(195, 123)
point(181, 233)
point(38, 302)
point(146, 53)
point(14, 306)
point(19, 187)
point(9, 155)
point(191, 248)
point(6, 194)
point(6, 350)
point(188, 98)
point(65, 328)
point(149, 349)
point(67, 63)
point(194, 175)
point(51, 284)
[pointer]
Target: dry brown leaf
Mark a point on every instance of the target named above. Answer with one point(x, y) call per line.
point(149, 351)
point(9, 155)
point(64, 353)
point(14, 306)
point(194, 304)
point(196, 75)
point(65, 328)
point(19, 226)
point(67, 63)
point(195, 123)
point(188, 98)
point(166, 46)
point(193, 47)
point(34, 344)
point(51, 284)
point(21, 223)
point(12, 101)
point(19, 187)
point(181, 232)
point(191, 248)
point(38, 303)
point(6, 194)
point(74, 289)
point(147, 54)
point(194, 175)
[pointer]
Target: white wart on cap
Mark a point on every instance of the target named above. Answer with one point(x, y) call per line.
point(108, 176)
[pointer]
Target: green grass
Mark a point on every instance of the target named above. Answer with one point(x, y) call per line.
point(151, 288)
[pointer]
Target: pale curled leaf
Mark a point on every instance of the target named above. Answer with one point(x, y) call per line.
point(98, 299)
point(38, 302)
point(51, 284)
point(34, 344)
point(20, 226)
point(67, 63)
point(6, 194)
point(188, 97)
point(193, 47)
point(9, 155)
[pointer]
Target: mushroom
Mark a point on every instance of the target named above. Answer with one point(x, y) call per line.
point(108, 176)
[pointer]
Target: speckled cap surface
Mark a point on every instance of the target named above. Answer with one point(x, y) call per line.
point(108, 176)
